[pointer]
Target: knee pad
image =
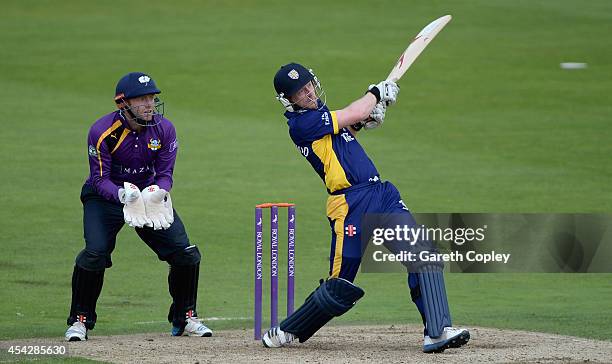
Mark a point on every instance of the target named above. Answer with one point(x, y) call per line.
point(185, 257)
point(93, 261)
point(332, 298)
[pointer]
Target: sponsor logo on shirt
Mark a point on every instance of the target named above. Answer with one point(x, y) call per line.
point(303, 150)
point(91, 150)
point(347, 137)
point(173, 145)
point(136, 170)
point(154, 144)
point(325, 118)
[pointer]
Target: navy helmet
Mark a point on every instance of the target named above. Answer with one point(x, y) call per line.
point(289, 79)
point(135, 84)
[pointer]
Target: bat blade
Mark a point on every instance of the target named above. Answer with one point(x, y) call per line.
point(417, 46)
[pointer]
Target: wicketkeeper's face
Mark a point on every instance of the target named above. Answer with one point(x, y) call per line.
point(306, 97)
point(143, 106)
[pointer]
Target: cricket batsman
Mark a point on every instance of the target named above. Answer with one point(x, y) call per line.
point(131, 160)
point(327, 140)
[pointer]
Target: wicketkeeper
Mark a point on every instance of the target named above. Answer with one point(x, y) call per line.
point(327, 140)
point(131, 161)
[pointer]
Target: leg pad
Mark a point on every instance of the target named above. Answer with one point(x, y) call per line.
point(332, 298)
point(435, 303)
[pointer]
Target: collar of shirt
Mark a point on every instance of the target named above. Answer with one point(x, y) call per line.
point(119, 116)
point(290, 114)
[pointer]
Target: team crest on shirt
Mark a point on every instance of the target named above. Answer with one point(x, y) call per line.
point(154, 144)
point(92, 151)
point(293, 74)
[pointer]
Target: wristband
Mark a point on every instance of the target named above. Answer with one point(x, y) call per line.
point(376, 92)
point(357, 126)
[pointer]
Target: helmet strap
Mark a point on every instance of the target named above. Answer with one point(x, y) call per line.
point(122, 105)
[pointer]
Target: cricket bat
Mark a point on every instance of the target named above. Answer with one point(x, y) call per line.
point(417, 46)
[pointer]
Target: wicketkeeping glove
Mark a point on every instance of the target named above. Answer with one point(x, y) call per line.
point(134, 212)
point(158, 205)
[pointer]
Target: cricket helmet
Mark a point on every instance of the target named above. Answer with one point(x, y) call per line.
point(289, 79)
point(136, 84)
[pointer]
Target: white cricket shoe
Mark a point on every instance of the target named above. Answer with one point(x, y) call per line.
point(194, 327)
point(76, 332)
point(451, 338)
point(276, 338)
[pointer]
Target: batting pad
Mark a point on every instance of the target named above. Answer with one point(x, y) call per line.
point(331, 299)
point(437, 314)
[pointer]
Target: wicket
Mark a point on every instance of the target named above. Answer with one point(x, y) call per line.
point(273, 262)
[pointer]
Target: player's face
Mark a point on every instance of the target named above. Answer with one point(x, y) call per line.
point(306, 97)
point(143, 106)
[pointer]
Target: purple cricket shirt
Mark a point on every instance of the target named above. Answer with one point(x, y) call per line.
point(117, 154)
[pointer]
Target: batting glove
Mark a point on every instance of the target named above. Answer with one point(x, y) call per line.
point(377, 116)
point(387, 91)
point(158, 205)
point(134, 212)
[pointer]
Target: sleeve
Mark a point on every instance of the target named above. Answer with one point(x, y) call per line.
point(313, 125)
point(100, 166)
point(164, 163)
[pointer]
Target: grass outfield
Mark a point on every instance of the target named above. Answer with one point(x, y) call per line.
point(486, 122)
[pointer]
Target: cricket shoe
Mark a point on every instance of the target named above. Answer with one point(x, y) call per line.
point(193, 327)
point(276, 338)
point(76, 332)
point(450, 338)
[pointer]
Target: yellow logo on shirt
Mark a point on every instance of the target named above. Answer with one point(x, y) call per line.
point(154, 144)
